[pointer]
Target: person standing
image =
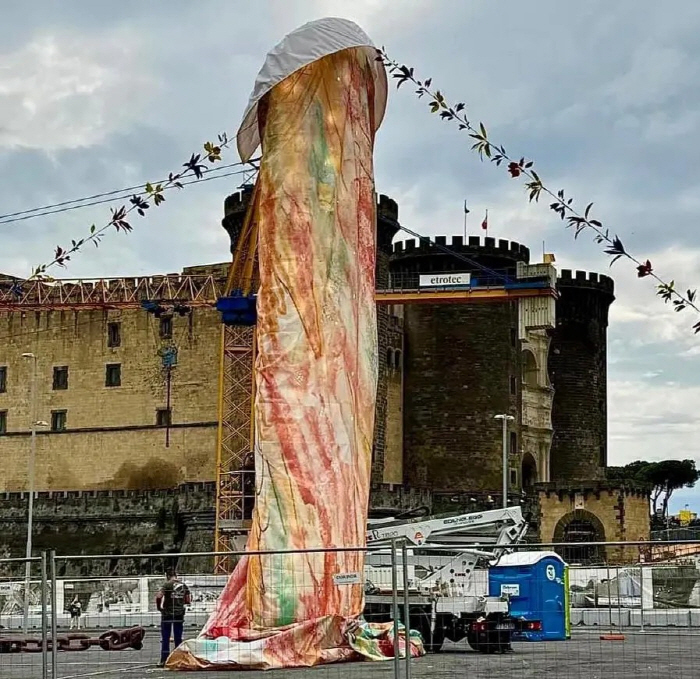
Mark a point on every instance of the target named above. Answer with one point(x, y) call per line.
point(75, 609)
point(171, 600)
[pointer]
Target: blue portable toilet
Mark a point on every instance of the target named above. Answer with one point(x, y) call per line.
point(536, 584)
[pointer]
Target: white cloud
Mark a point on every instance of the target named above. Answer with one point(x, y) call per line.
point(655, 74)
point(652, 421)
point(67, 91)
point(652, 321)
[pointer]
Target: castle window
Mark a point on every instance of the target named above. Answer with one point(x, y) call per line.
point(397, 359)
point(166, 327)
point(529, 367)
point(513, 443)
point(3, 379)
point(513, 385)
point(164, 417)
point(513, 337)
point(390, 358)
point(60, 377)
point(513, 477)
point(58, 420)
point(113, 376)
point(3, 421)
point(114, 335)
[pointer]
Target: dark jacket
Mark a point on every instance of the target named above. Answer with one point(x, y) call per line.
point(172, 598)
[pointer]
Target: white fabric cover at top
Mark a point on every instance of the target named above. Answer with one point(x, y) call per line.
point(307, 44)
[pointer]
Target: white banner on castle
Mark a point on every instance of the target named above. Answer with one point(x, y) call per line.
point(444, 280)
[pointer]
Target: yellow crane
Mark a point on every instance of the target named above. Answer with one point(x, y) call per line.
point(234, 472)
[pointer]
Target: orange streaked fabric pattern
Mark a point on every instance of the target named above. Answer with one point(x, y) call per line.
point(316, 379)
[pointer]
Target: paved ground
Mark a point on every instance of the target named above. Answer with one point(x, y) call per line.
point(650, 655)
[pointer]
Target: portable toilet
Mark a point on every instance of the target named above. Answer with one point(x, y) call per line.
point(536, 585)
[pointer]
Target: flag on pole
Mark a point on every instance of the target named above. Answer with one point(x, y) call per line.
point(466, 212)
point(485, 223)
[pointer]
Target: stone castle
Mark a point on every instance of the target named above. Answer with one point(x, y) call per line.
point(128, 398)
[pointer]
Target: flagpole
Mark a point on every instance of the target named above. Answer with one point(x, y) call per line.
point(466, 212)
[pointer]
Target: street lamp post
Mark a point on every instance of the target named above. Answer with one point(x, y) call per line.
point(505, 419)
point(30, 511)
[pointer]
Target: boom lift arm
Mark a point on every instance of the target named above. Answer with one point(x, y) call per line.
point(460, 529)
point(443, 549)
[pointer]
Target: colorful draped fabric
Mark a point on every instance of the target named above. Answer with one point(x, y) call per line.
point(316, 374)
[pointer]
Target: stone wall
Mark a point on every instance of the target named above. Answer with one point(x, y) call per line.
point(387, 228)
point(123, 522)
point(125, 457)
point(393, 453)
point(112, 522)
point(111, 439)
point(616, 514)
point(461, 367)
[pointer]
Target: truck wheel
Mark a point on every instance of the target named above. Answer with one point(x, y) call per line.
point(492, 644)
point(497, 643)
point(434, 646)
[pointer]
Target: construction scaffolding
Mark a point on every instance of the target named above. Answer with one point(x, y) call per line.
point(112, 293)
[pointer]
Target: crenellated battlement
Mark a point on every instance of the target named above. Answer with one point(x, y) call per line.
point(475, 245)
point(236, 204)
point(49, 506)
point(387, 207)
point(586, 279)
point(593, 489)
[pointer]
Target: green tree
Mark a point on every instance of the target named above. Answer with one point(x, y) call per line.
point(663, 478)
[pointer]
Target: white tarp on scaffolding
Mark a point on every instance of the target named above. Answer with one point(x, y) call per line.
point(625, 587)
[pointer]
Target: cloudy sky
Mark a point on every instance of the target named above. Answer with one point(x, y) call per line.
point(604, 96)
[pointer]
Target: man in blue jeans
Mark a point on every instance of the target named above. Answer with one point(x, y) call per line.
point(171, 600)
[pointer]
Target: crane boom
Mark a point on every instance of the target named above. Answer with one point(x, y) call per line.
point(465, 528)
point(236, 396)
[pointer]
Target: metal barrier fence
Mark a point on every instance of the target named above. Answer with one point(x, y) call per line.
point(678, 534)
point(525, 617)
point(25, 607)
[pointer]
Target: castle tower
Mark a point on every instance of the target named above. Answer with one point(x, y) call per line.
point(235, 207)
point(578, 373)
point(387, 228)
point(462, 366)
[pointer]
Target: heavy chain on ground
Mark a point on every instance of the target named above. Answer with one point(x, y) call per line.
point(112, 640)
